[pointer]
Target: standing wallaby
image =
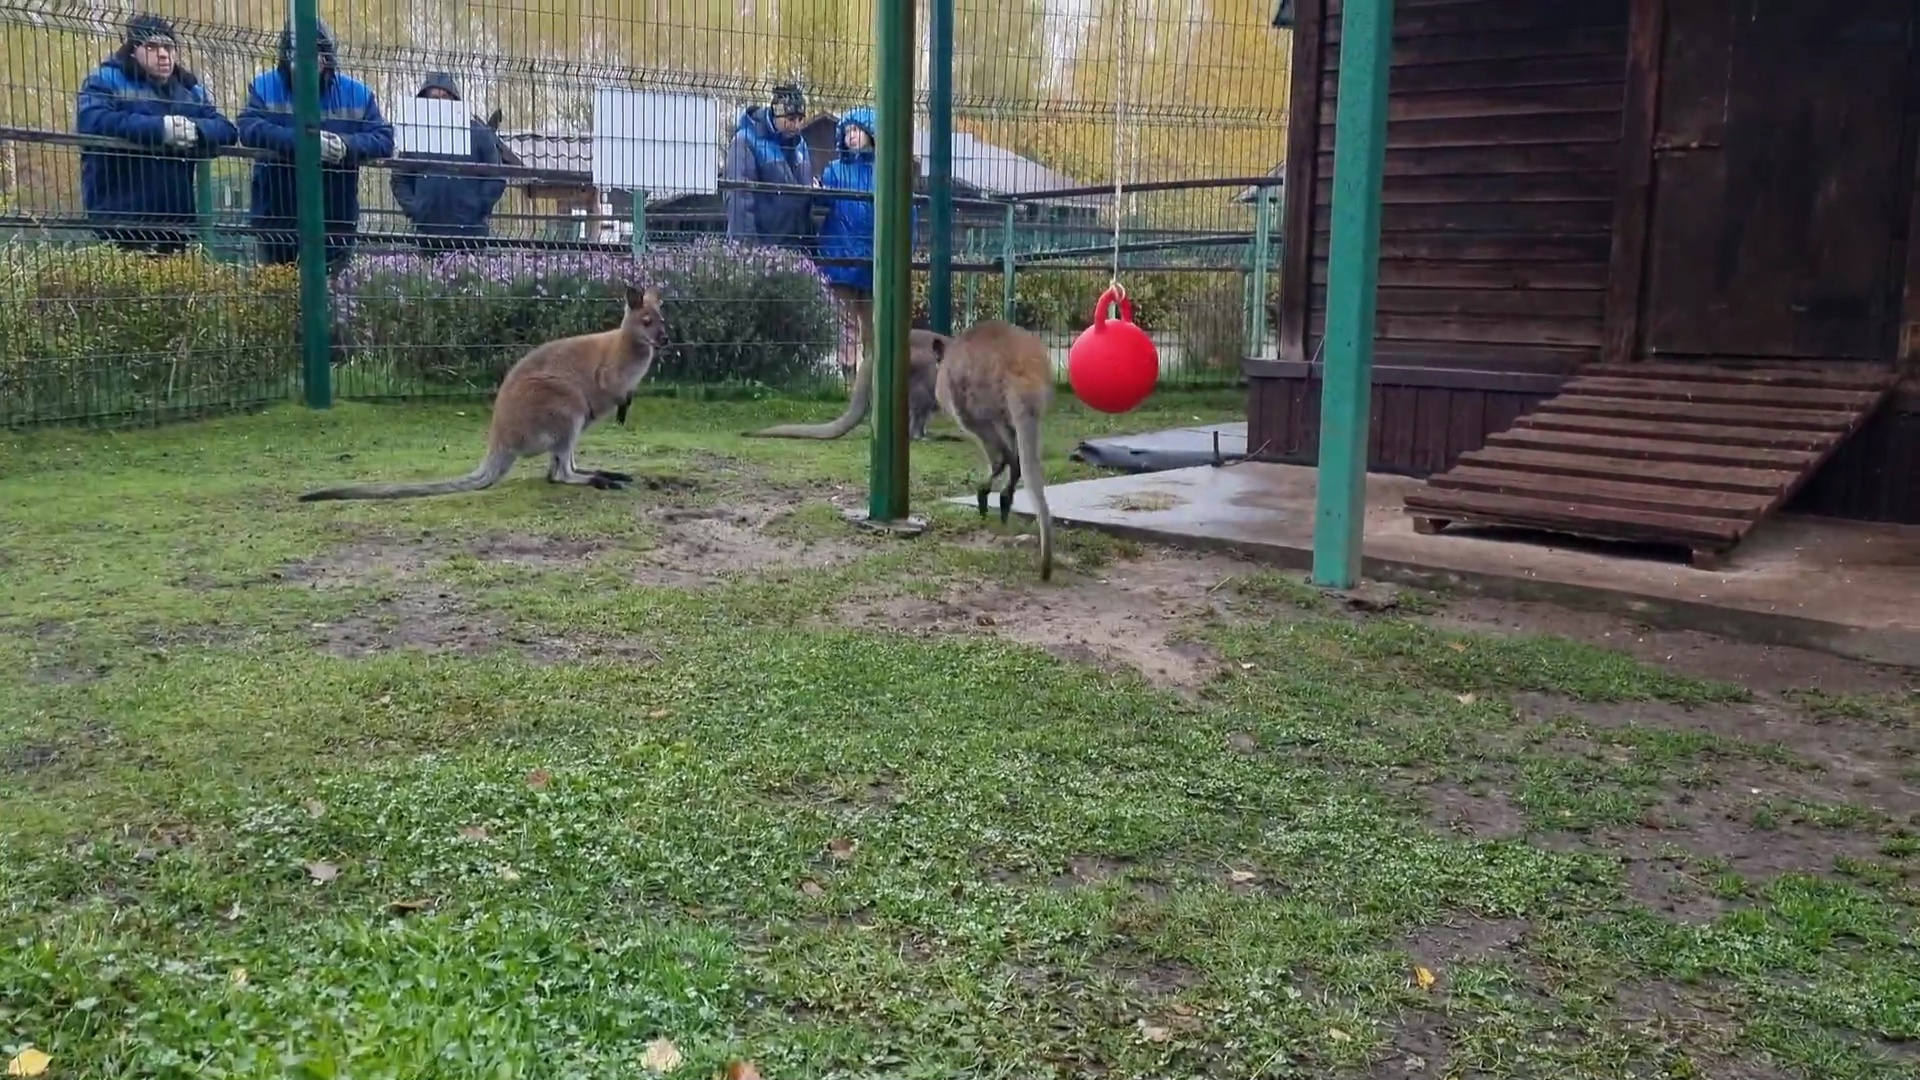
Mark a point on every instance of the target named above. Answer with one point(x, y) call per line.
point(923, 361)
point(996, 381)
point(549, 397)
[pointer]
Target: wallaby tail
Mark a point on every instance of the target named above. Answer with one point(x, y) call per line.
point(498, 462)
point(845, 422)
point(1025, 412)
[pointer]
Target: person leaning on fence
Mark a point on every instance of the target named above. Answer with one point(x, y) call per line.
point(449, 211)
point(143, 198)
point(352, 132)
point(767, 149)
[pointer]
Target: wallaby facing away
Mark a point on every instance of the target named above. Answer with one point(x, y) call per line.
point(996, 381)
point(923, 361)
point(549, 397)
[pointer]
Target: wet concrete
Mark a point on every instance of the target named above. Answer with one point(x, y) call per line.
point(1850, 588)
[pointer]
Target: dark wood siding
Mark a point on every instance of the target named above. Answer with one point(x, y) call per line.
point(1874, 476)
point(1415, 428)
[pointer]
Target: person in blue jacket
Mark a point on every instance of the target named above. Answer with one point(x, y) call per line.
point(352, 132)
point(847, 230)
point(767, 148)
point(145, 199)
point(449, 211)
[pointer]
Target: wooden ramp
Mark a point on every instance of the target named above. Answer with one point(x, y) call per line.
point(1688, 455)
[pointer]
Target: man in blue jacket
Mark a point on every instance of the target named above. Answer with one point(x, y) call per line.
point(352, 132)
point(767, 149)
point(449, 211)
point(144, 199)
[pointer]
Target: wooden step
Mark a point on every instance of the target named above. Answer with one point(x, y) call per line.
point(1703, 477)
point(1621, 493)
point(1750, 416)
point(1848, 377)
point(1661, 429)
point(1746, 457)
point(1720, 393)
point(1667, 454)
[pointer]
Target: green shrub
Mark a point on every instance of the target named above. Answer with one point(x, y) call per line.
point(736, 313)
point(93, 330)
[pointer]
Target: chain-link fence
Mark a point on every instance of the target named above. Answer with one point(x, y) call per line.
point(492, 173)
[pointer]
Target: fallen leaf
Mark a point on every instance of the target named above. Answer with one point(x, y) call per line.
point(238, 976)
point(1467, 699)
point(841, 849)
point(384, 699)
point(1457, 646)
point(507, 873)
point(539, 778)
point(1246, 667)
point(322, 872)
point(659, 714)
point(1154, 1032)
point(315, 808)
point(742, 1070)
point(661, 1056)
point(408, 907)
point(1242, 743)
point(473, 832)
point(1423, 977)
point(813, 889)
point(1338, 1036)
point(28, 1062)
point(233, 913)
point(1241, 877)
point(983, 620)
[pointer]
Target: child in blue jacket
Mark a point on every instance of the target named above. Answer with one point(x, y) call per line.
point(847, 231)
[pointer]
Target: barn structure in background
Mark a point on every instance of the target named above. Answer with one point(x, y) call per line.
point(1648, 268)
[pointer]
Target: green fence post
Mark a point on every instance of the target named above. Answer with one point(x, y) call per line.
point(315, 349)
point(203, 210)
point(1006, 266)
point(1353, 272)
point(893, 24)
point(1262, 260)
point(940, 165)
point(639, 242)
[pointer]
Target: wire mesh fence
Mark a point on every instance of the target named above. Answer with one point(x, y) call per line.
point(492, 173)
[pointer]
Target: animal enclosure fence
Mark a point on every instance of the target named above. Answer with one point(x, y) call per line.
point(147, 269)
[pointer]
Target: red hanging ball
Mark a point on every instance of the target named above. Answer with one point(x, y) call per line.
point(1113, 365)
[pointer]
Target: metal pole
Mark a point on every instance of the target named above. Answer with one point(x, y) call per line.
point(940, 165)
point(1262, 259)
point(639, 241)
point(203, 210)
point(1006, 267)
point(893, 25)
point(1353, 272)
point(315, 349)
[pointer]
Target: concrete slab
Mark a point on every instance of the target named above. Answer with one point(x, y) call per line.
point(1849, 588)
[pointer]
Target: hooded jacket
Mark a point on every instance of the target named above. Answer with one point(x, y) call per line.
point(759, 153)
point(847, 231)
point(120, 100)
point(348, 108)
point(445, 205)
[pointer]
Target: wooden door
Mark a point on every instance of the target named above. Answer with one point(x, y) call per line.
point(1777, 179)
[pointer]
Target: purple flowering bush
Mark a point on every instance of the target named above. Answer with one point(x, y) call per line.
point(735, 312)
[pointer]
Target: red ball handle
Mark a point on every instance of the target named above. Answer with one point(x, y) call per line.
point(1108, 297)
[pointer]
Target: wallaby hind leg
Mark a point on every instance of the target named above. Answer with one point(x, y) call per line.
point(994, 468)
point(562, 471)
point(1006, 495)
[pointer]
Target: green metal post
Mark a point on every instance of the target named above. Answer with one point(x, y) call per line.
point(1353, 272)
point(1262, 260)
point(940, 165)
point(203, 211)
point(892, 257)
point(315, 349)
point(639, 242)
point(1006, 267)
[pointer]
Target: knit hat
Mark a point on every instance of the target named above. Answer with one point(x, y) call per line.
point(789, 100)
point(144, 28)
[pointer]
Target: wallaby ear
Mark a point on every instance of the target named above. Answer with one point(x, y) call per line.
point(651, 297)
point(939, 346)
point(634, 297)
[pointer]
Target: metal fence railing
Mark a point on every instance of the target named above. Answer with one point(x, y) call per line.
point(148, 237)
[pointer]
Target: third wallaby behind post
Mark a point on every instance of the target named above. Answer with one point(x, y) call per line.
point(996, 381)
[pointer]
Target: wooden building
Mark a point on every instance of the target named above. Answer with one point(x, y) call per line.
point(1650, 264)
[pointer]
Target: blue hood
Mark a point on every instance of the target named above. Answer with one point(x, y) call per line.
point(862, 118)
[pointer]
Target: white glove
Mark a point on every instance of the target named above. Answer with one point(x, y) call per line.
point(180, 131)
point(332, 147)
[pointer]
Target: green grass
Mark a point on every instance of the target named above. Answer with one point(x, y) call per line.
point(722, 818)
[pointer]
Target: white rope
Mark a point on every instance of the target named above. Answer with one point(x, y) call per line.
point(1120, 92)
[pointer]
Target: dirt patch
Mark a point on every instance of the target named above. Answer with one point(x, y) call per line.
point(1765, 668)
point(1125, 620)
point(709, 545)
point(1419, 1048)
point(536, 552)
point(364, 562)
point(438, 623)
point(1486, 814)
point(1467, 941)
point(1150, 976)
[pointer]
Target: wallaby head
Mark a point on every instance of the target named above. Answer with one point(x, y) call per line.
point(645, 323)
